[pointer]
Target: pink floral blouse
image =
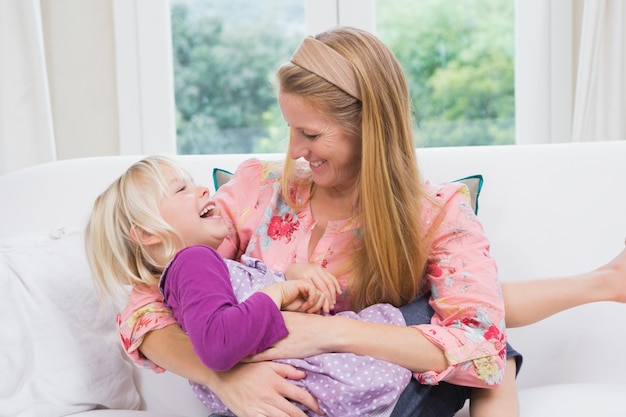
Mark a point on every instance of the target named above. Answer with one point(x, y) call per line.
point(468, 324)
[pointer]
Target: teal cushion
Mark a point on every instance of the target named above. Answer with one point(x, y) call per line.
point(474, 184)
point(220, 177)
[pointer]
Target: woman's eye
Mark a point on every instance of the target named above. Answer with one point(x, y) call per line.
point(309, 136)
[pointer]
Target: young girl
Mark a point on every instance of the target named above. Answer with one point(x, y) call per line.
point(154, 226)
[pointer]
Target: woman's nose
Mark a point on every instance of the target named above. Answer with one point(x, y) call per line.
point(297, 148)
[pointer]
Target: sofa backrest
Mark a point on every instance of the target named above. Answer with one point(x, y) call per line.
point(548, 210)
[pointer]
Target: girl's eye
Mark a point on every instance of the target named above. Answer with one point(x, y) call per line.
point(181, 189)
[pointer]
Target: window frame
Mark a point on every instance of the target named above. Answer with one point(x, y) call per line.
point(145, 79)
point(146, 106)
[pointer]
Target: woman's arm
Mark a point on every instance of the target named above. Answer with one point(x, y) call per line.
point(152, 339)
point(464, 343)
point(248, 390)
point(468, 323)
point(311, 334)
point(171, 349)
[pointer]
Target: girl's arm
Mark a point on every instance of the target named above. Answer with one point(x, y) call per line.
point(197, 286)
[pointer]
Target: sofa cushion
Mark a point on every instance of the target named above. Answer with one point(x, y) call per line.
point(571, 400)
point(59, 353)
point(568, 400)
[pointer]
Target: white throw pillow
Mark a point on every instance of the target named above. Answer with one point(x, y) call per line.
point(59, 352)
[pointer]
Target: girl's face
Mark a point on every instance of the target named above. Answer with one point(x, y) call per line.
point(333, 155)
point(190, 210)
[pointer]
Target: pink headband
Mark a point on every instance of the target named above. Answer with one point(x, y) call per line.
point(324, 61)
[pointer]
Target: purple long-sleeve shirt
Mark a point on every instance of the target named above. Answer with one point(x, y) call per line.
point(197, 286)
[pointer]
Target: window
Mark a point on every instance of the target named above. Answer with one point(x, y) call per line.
point(458, 57)
point(225, 55)
point(458, 60)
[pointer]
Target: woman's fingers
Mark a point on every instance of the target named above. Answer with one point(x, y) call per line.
point(260, 389)
point(292, 392)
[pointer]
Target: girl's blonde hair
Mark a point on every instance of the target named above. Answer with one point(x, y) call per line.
point(128, 208)
point(389, 264)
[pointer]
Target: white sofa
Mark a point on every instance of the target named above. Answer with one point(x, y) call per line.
point(548, 210)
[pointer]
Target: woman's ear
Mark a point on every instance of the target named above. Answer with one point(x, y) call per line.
point(142, 237)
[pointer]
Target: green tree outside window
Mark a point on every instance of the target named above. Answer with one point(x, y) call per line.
point(458, 57)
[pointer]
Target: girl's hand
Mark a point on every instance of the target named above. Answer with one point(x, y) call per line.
point(318, 276)
point(302, 296)
point(263, 390)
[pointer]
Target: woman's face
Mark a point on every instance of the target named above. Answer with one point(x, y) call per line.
point(333, 155)
point(190, 210)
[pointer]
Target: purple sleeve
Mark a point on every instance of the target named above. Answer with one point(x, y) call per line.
point(198, 289)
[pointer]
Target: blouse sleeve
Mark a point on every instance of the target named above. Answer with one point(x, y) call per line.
point(468, 324)
point(144, 312)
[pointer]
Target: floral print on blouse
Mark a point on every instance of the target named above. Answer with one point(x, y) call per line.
point(468, 324)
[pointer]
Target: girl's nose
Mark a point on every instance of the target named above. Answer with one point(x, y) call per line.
point(203, 191)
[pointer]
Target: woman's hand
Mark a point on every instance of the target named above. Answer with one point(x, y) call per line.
point(248, 390)
point(262, 389)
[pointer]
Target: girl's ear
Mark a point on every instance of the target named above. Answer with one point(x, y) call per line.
point(142, 237)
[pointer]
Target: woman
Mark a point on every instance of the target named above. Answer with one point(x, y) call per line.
point(358, 207)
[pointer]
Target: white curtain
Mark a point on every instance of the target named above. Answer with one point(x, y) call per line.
point(600, 100)
point(26, 131)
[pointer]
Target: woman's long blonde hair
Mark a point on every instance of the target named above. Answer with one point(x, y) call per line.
point(130, 205)
point(390, 263)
